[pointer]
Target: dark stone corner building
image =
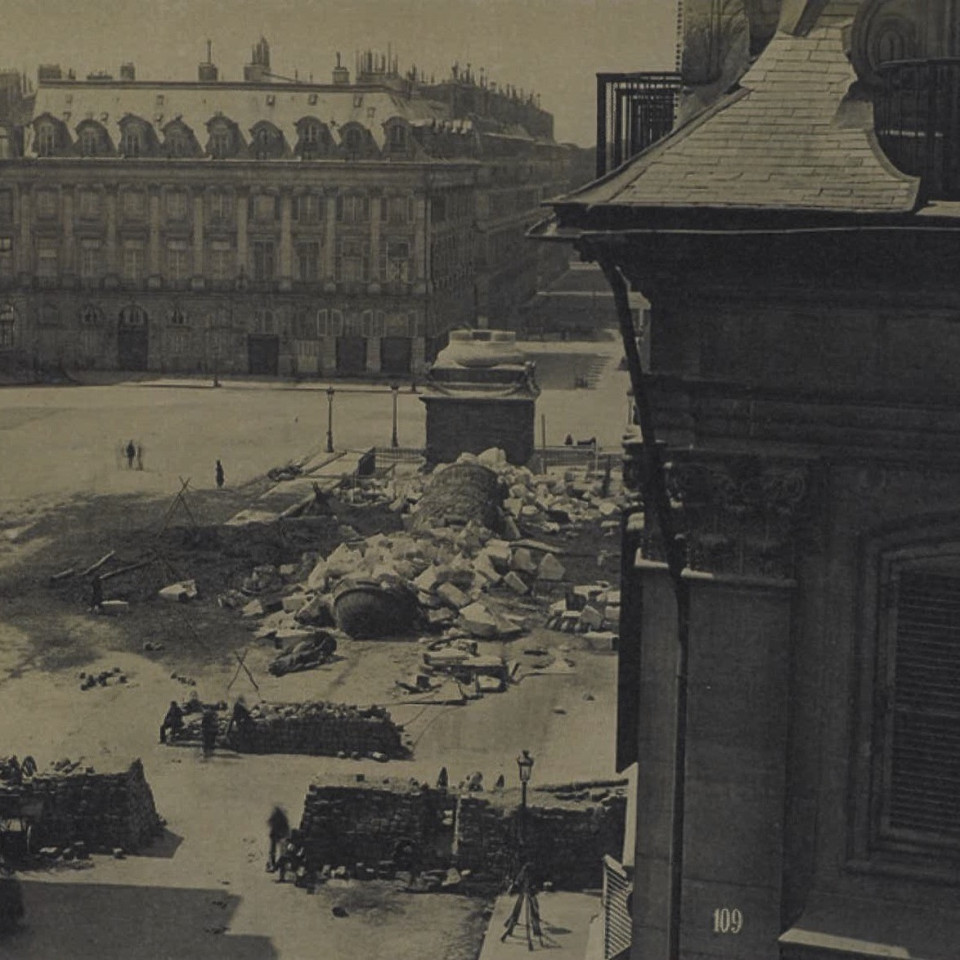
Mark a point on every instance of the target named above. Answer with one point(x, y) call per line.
point(797, 580)
point(268, 225)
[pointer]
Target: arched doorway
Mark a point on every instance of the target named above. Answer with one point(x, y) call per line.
point(132, 338)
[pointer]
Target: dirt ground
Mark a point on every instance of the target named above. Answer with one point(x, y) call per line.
point(202, 891)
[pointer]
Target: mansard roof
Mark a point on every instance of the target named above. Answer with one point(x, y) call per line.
point(798, 135)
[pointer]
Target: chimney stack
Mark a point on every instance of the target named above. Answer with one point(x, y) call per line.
point(207, 71)
point(128, 71)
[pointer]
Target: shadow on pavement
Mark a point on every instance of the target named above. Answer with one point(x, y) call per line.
point(163, 847)
point(110, 922)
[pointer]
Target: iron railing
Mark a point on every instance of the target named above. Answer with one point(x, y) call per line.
point(634, 110)
point(917, 119)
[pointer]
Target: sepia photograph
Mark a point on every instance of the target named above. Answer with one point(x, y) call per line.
point(477, 480)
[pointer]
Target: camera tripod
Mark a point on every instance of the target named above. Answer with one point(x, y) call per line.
point(526, 907)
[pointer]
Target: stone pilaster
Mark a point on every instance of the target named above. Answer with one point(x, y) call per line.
point(154, 263)
point(286, 241)
point(329, 250)
point(243, 247)
point(197, 240)
point(373, 354)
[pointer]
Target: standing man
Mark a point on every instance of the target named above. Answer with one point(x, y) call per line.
point(279, 831)
point(173, 721)
point(208, 732)
point(219, 472)
point(131, 453)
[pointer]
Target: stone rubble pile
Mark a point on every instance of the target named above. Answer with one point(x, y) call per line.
point(315, 728)
point(74, 803)
point(368, 829)
point(592, 609)
point(451, 562)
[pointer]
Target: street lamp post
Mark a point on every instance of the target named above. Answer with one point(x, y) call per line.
point(330, 392)
point(526, 911)
point(394, 440)
point(525, 768)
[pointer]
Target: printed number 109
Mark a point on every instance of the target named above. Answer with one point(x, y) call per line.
point(727, 921)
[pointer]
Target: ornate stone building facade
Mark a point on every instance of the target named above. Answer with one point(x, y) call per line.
point(267, 226)
point(790, 627)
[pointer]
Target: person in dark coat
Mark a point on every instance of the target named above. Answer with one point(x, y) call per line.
point(208, 731)
point(242, 722)
point(172, 722)
point(219, 474)
point(279, 827)
point(131, 453)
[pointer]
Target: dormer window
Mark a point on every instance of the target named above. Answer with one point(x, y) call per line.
point(267, 141)
point(179, 140)
point(224, 138)
point(46, 140)
point(397, 141)
point(352, 141)
point(92, 140)
point(313, 139)
point(133, 140)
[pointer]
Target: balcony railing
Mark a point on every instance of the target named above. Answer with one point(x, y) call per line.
point(917, 118)
point(634, 110)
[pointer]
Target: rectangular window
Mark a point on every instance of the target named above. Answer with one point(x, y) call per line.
point(265, 207)
point(308, 208)
point(90, 204)
point(90, 260)
point(921, 707)
point(353, 208)
point(397, 209)
point(134, 204)
point(48, 260)
point(222, 261)
point(264, 259)
point(308, 261)
point(396, 261)
point(133, 261)
point(221, 206)
point(6, 204)
point(6, 258)
point(178, 268)
point(323, 323)
point(7, 333)
point(48, 203)
point(352, 261)
point(177, 205)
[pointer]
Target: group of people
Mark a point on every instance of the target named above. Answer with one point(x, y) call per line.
point(172, 727)
point(132, 452)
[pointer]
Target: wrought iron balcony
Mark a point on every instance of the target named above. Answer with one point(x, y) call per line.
point(634, 110)
point(917, 118)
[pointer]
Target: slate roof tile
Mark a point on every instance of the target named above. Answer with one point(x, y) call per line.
point(777, 143)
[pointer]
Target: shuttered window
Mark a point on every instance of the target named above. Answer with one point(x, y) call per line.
point(920, 706)
point(617, 921)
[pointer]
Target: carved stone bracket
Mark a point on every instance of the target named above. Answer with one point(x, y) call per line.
point(739, 515)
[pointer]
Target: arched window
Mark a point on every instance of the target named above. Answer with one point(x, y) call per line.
point(266, 141)
point(46, 140)
point(90, 315)
point(133, 317)
point(93, 139)
point(313, 139)
point(131, 144)
point(353, 141)
point(224, 139)
point(178, 140)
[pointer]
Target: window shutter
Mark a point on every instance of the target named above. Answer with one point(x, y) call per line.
point(922, 795)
